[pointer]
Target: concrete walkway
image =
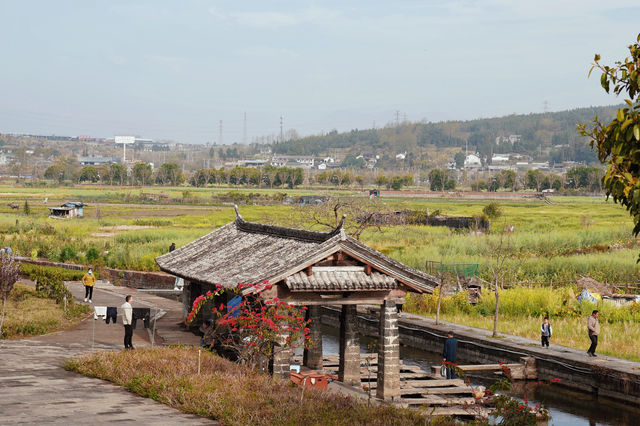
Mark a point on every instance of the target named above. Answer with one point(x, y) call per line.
point(35, 387)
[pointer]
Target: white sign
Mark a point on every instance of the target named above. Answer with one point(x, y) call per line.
point(125, 139)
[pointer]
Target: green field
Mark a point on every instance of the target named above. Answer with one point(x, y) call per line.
point(574, 236)
point(550, 243)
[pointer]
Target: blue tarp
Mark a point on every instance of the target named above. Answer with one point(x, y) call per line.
point(233, 306)
point(585, 295)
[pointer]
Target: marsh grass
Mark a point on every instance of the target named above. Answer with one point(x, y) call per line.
point(28, 314)
point(231, 393)
point(575, 236)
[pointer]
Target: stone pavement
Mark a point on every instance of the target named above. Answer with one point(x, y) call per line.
point(35, 387)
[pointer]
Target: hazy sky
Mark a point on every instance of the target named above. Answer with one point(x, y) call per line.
point(173, 69)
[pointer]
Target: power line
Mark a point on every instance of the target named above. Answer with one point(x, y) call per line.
point(244, 130)
point(281, 128)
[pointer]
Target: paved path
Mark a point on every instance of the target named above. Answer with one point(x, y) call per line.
point(35, 388)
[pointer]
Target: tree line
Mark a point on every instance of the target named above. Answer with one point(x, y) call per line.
point(69, 169)
point(551, 136)
point(170, 174)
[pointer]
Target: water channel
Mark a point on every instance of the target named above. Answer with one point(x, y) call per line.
point(566, 407)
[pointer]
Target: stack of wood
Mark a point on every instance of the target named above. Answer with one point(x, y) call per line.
point(420, 389)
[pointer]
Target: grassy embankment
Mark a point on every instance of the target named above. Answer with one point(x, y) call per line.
point(522, 311)
point(29, 314)
point(231, 393)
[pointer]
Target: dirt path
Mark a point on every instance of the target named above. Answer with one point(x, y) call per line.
point(35, 388)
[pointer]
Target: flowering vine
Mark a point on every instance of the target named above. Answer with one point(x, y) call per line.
point(256, 328)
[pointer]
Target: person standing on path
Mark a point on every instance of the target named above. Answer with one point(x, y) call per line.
point(546, 332)
point(88, 280)
point(593, 326)
point(449, 355)
point(127, 318)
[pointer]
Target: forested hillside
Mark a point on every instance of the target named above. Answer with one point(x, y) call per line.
point(548, 136)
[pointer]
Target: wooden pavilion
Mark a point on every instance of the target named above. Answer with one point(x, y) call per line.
point(307, 268)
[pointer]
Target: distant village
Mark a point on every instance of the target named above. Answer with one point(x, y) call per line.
point(32, 157)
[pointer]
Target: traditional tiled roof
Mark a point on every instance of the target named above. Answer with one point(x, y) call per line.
point(338, 280)
point(243, 252)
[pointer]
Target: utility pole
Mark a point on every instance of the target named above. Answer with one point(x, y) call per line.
point(244, 129)
point(281, 129)
point(220, 137)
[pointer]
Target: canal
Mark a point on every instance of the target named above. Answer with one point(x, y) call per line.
point(566, 407)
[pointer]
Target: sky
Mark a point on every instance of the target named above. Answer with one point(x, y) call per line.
point(172, 70)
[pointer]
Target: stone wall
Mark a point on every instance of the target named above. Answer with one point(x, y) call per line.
point(580, 375)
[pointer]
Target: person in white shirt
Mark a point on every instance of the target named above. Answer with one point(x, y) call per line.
point(127, 317)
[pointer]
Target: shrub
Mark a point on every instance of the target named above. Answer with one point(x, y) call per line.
point(92, 255)
point(49, 284)
point(67, 253)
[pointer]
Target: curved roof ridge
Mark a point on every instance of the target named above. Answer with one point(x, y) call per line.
point(283, 232)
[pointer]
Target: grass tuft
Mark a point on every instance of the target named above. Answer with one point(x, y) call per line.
point(230, 393)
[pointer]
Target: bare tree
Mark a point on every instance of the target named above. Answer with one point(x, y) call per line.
point(359, 215)
point(443, 280)
point(498, 253)
point(8, 276)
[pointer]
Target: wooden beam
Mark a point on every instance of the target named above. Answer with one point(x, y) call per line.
point(367, 269)
point(308, 270)
point(376, 297)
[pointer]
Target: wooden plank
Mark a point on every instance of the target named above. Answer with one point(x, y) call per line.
point(459, 411)
point(434, 400)
point(478, 367)
point(423, 385)
point(434, 383)
point(453, 390)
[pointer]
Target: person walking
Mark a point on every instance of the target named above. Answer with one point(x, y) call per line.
point(593, 327)
point(88, 280)
point(546, 332)
point(449, 355)
point(127, 318)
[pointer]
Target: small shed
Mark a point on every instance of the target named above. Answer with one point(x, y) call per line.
point(67, 210)
point(307, 268)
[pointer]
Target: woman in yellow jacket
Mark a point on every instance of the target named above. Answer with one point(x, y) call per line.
point(89, 281)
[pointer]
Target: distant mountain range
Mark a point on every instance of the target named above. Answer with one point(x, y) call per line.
point(550, 136)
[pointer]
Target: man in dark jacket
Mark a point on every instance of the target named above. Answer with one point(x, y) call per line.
point(449, 354)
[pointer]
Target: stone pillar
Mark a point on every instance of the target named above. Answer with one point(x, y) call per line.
point(313, 355)
point(281, 362)
point(282, 358)
point(349, 370)
point(388, 380)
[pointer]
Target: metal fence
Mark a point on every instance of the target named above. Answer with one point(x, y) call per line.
point(461, 269)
